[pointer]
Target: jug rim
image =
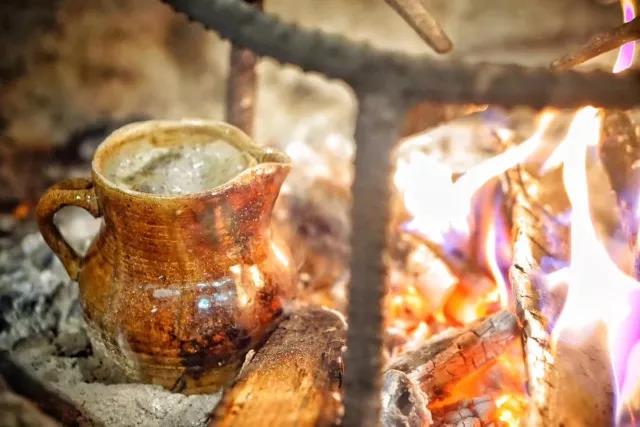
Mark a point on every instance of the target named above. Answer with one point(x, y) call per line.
point(267, 158)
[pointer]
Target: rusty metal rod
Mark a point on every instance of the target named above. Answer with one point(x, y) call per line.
point(377, 129)
point(414, 79)
point(241, 85)
point(599, 44)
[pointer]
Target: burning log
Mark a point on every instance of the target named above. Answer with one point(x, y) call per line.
point(568, 383)
point(479, 411)
point(599, 44)
point(620, 155)
point(403, 402)
point(445, 360)
point(427, 374)
point(418, 17)
point(294, 379)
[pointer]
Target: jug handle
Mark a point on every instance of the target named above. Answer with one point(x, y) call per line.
point(71, 192)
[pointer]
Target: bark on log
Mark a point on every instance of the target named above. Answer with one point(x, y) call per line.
point(294, 379)
point(568, 384)
point(445, 360)
point(620, 155)
point(414, 79)
point(599, 44)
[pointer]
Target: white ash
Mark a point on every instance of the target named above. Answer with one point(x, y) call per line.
point(180, 169)
point(41, 325)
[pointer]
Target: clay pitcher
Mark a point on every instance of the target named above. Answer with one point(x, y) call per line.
point(176, 288)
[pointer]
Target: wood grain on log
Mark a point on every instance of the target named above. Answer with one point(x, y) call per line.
point(294, 379)
point(568, 383)
point(445, 360)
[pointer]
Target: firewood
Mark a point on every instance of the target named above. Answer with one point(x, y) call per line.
point(294, 379)
point(599, 44)
point(50, 402)
point(478, 411)
point(446, 359)
point(568, 384)
point(620, 155)
point(403, 402)
point(418, 17)
point(16, 411)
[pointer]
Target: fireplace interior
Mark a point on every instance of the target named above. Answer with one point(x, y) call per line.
point(462, 207)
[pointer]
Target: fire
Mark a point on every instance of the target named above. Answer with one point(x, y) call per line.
point(627, 51)
point(598, 291)
point(442, 208)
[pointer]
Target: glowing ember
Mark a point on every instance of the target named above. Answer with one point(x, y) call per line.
point(627, 51)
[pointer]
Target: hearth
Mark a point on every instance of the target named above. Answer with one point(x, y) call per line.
point(473, 260)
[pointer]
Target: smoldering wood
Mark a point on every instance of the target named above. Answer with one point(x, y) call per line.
point(376, 133)
point(241, 85)
point(567, 384)
point(478, 411)
point(50, 402)
point(403, 402)
point(620, 155)
point(294, 379)
point(414, 79)
point(415, 13)
point(599, 44)
point(445, 360)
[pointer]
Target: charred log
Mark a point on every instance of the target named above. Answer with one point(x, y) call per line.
point(445, 360)
point(479, 411)
point(403, 402)
point(294, 379)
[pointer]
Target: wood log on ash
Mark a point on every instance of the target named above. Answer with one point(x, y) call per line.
point(294, 379)
point(620, 155)
point(599, 44)
point(445, 360)
point(568, 383)
point(50, 402)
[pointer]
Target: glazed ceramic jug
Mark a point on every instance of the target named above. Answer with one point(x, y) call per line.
point(178, 285)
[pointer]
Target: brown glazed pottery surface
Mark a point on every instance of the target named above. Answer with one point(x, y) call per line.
point(177, 288)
